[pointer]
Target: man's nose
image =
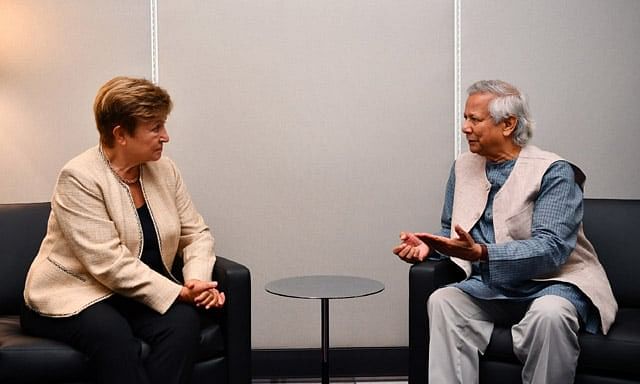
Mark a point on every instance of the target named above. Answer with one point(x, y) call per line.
point(466, 127)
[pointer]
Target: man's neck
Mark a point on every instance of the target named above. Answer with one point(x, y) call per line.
point(510, 152)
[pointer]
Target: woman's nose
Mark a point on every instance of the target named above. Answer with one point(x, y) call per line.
point(164, 136)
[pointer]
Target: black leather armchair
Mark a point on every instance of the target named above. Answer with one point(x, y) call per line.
point(612, 227)
point(225, 343)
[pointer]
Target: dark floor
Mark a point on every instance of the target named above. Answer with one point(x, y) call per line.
point(342, 380)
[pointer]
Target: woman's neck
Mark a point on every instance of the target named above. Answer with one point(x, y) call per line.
point(128, 171)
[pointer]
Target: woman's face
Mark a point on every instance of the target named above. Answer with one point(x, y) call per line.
point(147, 140)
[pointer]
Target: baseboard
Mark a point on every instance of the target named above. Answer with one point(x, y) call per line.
point(343, 362)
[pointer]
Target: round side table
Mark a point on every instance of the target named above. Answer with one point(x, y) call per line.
point(325, 288)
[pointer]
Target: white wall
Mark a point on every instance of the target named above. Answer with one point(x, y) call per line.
point(54, 55)
point(311, 132)
point(578, 61)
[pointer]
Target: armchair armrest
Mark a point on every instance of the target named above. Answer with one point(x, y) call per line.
point(424, 279)
point(234, 280)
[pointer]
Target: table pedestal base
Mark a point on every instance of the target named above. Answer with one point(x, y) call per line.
point(325, 341)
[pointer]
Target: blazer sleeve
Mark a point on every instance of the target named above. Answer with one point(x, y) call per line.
point(80, 209)
point(196, 244)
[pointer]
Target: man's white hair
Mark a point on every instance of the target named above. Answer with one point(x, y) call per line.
point(508, 101)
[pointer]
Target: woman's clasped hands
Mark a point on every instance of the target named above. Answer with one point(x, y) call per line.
point(202, 294)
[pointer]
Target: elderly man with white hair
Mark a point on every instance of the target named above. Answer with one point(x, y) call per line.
point(512, 221)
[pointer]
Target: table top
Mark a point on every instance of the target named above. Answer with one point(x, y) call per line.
point(324, 287)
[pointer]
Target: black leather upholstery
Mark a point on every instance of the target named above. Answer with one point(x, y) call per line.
point(225, 347)
point(611, 227)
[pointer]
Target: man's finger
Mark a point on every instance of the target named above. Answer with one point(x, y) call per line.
point(399, 248)
point(464, 235)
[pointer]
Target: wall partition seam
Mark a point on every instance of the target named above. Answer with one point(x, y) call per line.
point(153, 9)
point(457, 78)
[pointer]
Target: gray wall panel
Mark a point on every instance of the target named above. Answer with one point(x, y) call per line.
point(311, 133)
point(578, 61)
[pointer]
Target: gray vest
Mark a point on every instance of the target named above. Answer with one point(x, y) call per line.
point(512, 217)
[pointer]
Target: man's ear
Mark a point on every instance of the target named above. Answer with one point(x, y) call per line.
point(510, 124)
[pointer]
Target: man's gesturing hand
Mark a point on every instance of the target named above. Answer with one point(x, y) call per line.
point(411, 249)
point(463, 247)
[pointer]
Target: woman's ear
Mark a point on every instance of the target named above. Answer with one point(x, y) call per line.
point(118, 135)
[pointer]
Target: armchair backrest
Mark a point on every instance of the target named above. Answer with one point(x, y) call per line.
point(22, 228)
point(613, 227)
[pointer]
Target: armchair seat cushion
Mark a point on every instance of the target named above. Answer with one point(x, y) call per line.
point(617, 353)
point(611, 355)
point(23, 358)
point(27, 356)
point(501, 346)
point(211, 342)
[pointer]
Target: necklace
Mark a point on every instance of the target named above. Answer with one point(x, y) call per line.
point(124, 180)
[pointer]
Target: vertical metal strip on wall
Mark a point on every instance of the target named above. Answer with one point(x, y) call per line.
point(457, 78)
point(153, 7)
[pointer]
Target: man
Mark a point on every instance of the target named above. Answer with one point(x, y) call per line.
point(516, 215)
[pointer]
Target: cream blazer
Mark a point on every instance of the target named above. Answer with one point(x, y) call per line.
point(94, 239)
point(512, 217)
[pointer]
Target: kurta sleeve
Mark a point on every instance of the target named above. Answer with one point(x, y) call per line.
point(557, 215)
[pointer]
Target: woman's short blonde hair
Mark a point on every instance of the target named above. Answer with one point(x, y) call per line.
point(124, 101)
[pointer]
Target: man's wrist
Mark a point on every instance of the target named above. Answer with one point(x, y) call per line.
point(484, 253)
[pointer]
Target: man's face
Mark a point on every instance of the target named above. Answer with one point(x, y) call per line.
point(484, 137)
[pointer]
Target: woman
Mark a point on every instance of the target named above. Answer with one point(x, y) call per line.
point(120, 215)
